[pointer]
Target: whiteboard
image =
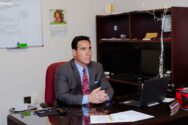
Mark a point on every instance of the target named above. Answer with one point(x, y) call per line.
point(20, 22)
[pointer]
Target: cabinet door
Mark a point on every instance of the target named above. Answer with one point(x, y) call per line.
point(180, 45)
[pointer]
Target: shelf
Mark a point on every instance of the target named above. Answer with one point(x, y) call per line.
point(118, 40)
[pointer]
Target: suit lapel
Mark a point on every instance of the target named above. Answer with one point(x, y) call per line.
point(91, 74)
point(76, 74)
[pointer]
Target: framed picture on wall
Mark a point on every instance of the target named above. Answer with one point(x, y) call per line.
point(58, 22)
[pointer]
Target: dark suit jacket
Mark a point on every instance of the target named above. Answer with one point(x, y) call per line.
point(68, 88)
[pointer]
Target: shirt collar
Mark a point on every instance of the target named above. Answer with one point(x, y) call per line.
point(80, 68)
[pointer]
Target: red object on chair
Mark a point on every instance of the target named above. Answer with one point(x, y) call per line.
point(49, 89)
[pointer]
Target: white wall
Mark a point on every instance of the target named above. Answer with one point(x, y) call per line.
point(132, 5)
point(22, 72)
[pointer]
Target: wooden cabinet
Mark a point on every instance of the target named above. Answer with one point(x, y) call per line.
point(134, 55)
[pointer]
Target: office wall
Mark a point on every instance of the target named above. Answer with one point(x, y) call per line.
point(133, 5)
point(22, 71)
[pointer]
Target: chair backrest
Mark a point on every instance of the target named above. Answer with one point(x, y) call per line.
point(50, 78)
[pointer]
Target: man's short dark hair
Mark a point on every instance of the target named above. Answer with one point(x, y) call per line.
point(77, 39)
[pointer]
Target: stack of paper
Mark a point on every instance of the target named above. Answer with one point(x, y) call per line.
point(126, 116)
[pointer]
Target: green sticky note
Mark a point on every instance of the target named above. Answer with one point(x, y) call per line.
point(26, 113)
point(22, 45)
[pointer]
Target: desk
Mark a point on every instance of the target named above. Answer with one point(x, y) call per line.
point(74, 117)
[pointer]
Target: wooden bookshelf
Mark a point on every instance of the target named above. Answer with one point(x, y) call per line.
point(135, 25)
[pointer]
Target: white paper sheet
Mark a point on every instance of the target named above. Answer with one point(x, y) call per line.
point(167, 100)
point(126, 116)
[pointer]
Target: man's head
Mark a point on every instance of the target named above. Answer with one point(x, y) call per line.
point(81, 48)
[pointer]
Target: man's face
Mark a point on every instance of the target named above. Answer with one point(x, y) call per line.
point(83, 53)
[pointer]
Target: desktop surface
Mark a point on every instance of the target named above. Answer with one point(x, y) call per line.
point(160, 112)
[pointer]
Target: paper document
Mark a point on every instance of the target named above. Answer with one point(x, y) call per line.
point(126, 116)
point(167, 100)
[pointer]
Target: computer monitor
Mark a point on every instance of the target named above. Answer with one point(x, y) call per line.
point(153, 91)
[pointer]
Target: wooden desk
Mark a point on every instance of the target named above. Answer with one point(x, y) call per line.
point(74, 117)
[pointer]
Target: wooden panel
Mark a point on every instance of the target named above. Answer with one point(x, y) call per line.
point(180, 45)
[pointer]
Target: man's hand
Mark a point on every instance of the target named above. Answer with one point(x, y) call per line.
point(97, 96)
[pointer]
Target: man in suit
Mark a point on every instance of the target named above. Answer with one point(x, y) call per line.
point(69, 77)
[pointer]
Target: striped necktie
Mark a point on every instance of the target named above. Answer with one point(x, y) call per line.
point(85, 83)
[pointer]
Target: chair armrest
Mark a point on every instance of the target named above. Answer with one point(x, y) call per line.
point(44, 105)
